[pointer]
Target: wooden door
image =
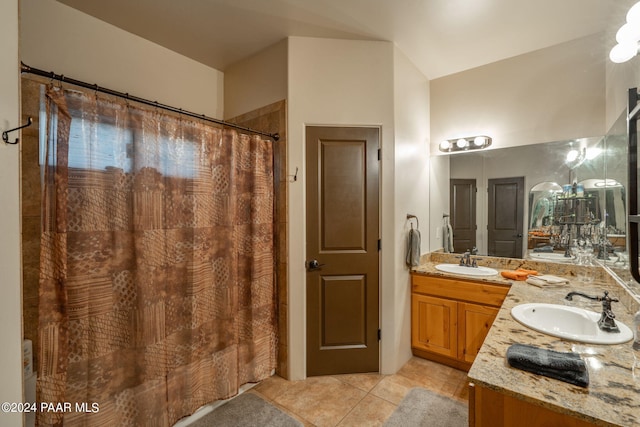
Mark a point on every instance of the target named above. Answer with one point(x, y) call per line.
point(462, 203)
point(474, 322)
point(433, 323)
point(506, 217)
point(342, 170)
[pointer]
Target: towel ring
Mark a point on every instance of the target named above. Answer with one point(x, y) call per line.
point(409, 217)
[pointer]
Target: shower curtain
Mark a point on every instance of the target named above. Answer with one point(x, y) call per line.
point(157, 290)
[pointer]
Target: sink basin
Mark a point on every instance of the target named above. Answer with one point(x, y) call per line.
point(550, 256)
point(467, 271)
point(570, 323)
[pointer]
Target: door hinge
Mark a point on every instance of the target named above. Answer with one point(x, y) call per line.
point(379, 334)
point(379, 154)
point(379, 244)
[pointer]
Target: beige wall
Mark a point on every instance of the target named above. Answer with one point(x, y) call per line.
point(55, 37)
point(620, 78)
point(336, 82)
point(10, 303)
point(256, 81)
point(551, 94)
point(411, 196)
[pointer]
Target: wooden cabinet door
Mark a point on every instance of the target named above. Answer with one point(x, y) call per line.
point(433, 324)
point(474, 322)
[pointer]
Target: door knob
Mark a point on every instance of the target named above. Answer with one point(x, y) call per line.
point(313, 265)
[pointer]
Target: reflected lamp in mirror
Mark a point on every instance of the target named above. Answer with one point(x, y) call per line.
point(576, 157)
point(465, 144)
point(627, 37)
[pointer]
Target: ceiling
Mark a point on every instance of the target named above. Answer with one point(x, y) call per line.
point(440, 37)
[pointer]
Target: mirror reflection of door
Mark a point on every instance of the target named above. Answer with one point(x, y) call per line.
point(506, 217)
point(462, 203)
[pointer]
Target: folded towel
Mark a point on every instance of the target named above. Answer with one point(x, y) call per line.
point(567, 367)
point(519, 274)
point(413, 248)
point(547, 281)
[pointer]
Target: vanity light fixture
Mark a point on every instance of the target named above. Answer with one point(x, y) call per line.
point(465, 144)
point(627, 37)
point(572, 155)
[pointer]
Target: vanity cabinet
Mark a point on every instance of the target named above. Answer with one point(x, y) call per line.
point(451, 317)
point(490, 408)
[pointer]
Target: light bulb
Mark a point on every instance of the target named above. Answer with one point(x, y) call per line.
point(623, 52)
point(628, 33)
point(633, 16)
point(479, 141)
point(461, 143)
point(593, 152)
point(445, 145)
point(572, 155)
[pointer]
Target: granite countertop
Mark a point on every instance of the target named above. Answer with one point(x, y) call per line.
point(612, 398)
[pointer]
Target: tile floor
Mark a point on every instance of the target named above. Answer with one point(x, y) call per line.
point(359, 399)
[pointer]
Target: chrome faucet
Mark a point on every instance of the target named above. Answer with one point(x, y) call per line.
point(606, 322)
point(466, 261)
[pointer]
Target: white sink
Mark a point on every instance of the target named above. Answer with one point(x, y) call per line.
point(570, 323)
point(550, 256)
point(467, 271)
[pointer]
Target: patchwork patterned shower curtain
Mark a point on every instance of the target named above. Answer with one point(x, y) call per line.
point(157, 290)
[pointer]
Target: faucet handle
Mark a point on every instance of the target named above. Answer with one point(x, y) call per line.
point(606, 297)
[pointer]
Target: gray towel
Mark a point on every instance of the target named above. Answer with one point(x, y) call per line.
point(447, 236)
point(567, 367)
point(413, 248)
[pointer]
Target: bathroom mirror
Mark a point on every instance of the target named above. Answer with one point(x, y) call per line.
point(599, 165)
point(593, 209)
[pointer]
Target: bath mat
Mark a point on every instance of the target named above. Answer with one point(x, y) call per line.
point(422, 407)
point(246, 410)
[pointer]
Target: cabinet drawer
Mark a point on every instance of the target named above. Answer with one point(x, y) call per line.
point(461, 290)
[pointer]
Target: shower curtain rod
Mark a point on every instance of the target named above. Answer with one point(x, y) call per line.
point(50, 74)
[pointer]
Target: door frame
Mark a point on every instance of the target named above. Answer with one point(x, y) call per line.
point(378, 130)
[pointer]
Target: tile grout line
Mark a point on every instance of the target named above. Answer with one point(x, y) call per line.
point(354, 407)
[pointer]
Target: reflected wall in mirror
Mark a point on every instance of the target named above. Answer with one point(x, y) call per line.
point(591, 162)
